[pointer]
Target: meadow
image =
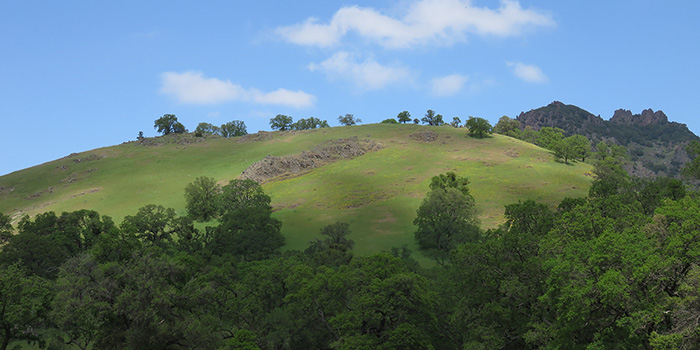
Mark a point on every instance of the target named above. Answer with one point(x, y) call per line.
point(377, 193)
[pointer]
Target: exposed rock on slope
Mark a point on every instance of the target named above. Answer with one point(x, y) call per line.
point(656, 146)
point(281, 167)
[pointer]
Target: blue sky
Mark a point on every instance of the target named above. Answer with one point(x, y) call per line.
point(79, 75)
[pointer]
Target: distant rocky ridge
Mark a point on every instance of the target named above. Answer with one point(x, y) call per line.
point(656, 145)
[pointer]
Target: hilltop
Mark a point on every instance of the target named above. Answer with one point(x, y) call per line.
point(656, 145)
point(372, 176)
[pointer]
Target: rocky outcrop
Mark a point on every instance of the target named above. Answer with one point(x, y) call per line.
point(271, 167)
point(648, 117)
point(657, 146)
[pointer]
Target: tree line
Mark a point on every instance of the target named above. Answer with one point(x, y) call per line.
point(616, 269)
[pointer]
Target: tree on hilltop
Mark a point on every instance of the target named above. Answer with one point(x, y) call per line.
point(233, 128)
point(281, 122)
point(404, 117)
point(168, 124)
point(348, 120)
point(479, 127)
point(432, 119)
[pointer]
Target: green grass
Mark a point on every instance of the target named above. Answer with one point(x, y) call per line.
point(377, 193)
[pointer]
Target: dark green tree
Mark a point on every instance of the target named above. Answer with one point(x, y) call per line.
point(239, 194)
point(203, 199)
point(335, 249)
point(281, 122)
point(456, 122)
point(153, 223)
point(247, 234)
point(404, 117)
point(479, 127)
point(445, 219)
point(348, 120)
point(24, 300)
point(140, 303)
point(389, 121)
point(233, 128)
point(168, 124)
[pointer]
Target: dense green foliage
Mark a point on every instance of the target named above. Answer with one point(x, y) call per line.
point(618, 269)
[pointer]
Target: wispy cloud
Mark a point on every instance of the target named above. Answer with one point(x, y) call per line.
point(425, 21)
point(527, 72)
point(195, 88)
point(366, 74)
point(448, 85)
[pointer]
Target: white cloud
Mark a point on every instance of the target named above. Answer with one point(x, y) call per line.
point(367, 75)
point(527, 72)
point(194, 88)
point(448, 85)
point(425, 21)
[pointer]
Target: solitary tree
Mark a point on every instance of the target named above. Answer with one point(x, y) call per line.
point(404, 117)
point(479, 127)
point(168, 124)
point(456, 122)
point(281, 122)
point(348, 120)
point(233, 128)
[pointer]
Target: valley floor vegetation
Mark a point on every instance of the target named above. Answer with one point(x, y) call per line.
point(615, 270)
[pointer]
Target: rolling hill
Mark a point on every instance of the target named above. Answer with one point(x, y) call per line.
point(376, 187)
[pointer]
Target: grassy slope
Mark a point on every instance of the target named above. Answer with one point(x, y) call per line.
point(377, 193)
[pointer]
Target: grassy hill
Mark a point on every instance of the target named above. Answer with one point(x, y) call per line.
point(377, 193)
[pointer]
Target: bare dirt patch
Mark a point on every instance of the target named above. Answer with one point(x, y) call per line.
point(270, 168)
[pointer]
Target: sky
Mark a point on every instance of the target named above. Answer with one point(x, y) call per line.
point(80, 75)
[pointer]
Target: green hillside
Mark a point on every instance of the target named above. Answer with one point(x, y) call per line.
point(377, 193)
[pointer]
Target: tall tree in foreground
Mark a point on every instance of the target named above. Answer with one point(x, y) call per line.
point(23, 300)
point(446, 217)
